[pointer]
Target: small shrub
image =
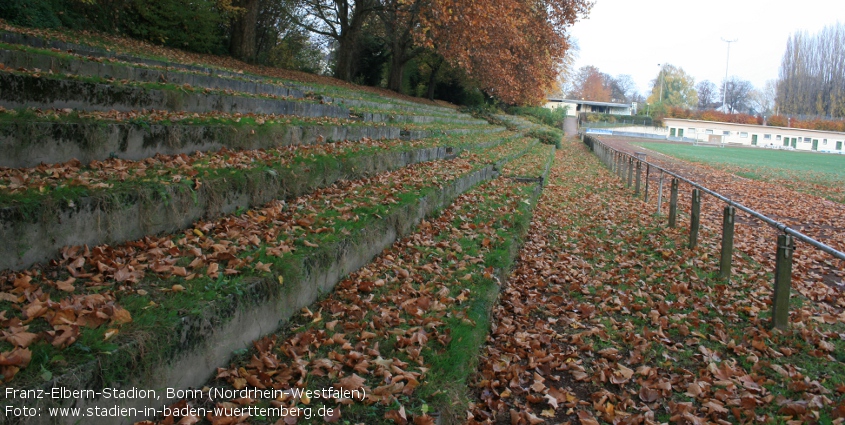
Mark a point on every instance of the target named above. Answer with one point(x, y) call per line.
point(552, 117)
point(38, 13)
point(549, 136)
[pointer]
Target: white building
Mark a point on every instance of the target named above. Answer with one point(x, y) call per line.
point(578, 106)
point(755, 135)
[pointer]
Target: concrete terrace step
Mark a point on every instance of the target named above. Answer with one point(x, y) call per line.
point(66, 64)
point(416, 119)
point(328, 208)
point(516, 121)
point(210, 334)
point(144, 69)
point(356, 291)
point(422, 134)
point(391, 104)
point(44, 91)
point(72, 65)
point(29, 143)
point(112, 217)
point(80, 49)
point(22, 90)
point(101, 208)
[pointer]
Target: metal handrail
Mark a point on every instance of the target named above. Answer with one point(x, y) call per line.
point(762, 217)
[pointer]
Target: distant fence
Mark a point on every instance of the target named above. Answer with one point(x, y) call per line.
point(627, 132)
point(632, 167)
point(622, 121)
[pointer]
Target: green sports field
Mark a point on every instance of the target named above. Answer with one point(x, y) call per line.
point(808, 172)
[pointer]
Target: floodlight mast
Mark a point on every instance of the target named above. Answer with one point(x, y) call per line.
point(661, 83)
point(725, 88)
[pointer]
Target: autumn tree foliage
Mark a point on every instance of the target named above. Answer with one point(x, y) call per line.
point(512, 48)
point(678, 88)
point(811, 124)
point(591, 84)
point(812, 74)
point(774, 121)
point(588, 83)
point(623, 89)
point(712, 115)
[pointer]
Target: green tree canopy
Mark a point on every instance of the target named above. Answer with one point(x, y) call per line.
point(678, 88)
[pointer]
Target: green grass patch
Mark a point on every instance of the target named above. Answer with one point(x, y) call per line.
point(806, 172)
point(804, 162)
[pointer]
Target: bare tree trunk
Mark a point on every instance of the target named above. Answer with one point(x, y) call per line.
point(432, 78)
point(243, 44)
point(399, 19)
point(394, 77)
point(347, 54)
point(400, 57)
point(352, 19)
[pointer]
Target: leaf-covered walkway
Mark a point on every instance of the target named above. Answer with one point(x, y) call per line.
point(608, 317)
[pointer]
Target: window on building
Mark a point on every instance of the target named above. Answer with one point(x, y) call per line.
point(768, 137)
point(726, 133)
point(708, 131)
point(691, 130)
point(743, 134)
point(777, 137)
point(806, 140)
point(824, 141)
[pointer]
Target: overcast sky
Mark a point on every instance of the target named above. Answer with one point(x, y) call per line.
point(633, 37)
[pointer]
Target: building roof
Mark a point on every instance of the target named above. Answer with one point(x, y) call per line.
point(590, 102)
point(757, 125)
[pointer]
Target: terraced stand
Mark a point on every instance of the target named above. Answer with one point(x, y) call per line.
point(28, 143)
point(156, 228)
point(428, 296)
point(250, 304)
point(29, 51)
point(126, 210)
point(113, 217)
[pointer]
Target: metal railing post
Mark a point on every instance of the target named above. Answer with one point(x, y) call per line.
point(783, 277)
point(611, 160)
point(639, 171)
point(660, 194)
point(618, 161)
point(695, 218)
point(673, 204)
point(728, 218)
point(621, 167)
